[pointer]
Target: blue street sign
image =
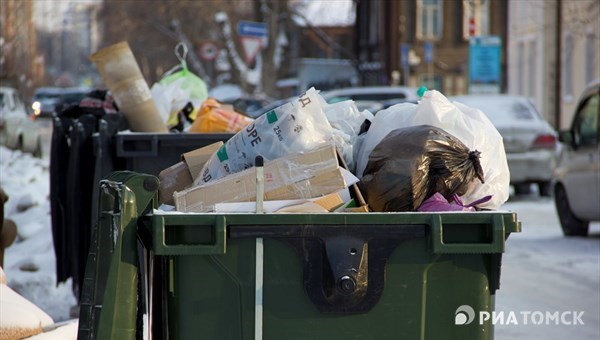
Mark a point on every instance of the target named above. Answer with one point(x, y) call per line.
point(485, 53)
point(404, 54)
point(253, 29)
point(428, 52)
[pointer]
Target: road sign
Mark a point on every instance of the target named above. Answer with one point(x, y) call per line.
point(253, 29)
point(254, 37)
point(404, 54)
point(252, 46)
point(208, 51)
point(428, 52)
point(484, 64)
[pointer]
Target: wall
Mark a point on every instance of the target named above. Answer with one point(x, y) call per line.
point(581, 24)
point(532, 53)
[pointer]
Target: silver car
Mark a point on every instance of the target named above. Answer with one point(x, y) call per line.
point(577, 175)
point(17, 128)
point(530, 142)
point(372, 98)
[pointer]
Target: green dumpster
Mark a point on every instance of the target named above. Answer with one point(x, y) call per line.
point(286, 276)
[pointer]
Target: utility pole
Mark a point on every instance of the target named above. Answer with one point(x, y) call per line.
point(558, 58)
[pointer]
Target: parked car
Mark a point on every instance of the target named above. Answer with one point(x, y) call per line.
point(373, 98)
point(70, 96)
point(43, 101)
point(270, 106)
point(47, 100)
point(17, 129)
point(529, 141)
point(577, 175)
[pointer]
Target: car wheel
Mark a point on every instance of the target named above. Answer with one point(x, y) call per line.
point(38, 150)
point(571, 225)
point(19, 145)
point(522, 188)
point(545, 188)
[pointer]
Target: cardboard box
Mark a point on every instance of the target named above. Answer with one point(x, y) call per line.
point(359, 200)
point(311, 174)
point(329, 202)
point(181, 175)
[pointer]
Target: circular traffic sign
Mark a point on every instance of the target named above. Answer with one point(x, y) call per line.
point(208, 51)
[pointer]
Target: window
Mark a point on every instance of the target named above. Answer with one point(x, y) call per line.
point(586, 127)
point(590, 57)
point(520, 66)
point(533, 60)
point(429, 19)
point(568, 68)
point(476, 12)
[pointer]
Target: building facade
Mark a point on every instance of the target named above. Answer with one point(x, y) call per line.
point(554, 51)
point(532, 54)
point(17, 45)
point(425, 42)
point(579, 52)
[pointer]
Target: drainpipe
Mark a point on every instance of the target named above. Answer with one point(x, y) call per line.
point(558, 57)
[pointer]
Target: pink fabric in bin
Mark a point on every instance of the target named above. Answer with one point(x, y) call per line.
point(437, 202)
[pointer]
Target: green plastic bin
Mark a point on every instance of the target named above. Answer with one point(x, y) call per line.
point(324, 276)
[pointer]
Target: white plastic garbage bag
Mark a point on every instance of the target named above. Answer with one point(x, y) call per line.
point(298, 126)
point(346, 120)
point(469, 125)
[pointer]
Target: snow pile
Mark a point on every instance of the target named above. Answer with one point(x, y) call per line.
point(30, 262)
point(20, 318)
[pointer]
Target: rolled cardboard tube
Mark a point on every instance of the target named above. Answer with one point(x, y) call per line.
point(122, 76)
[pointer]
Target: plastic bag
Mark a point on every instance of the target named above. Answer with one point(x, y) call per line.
point(215, 117)
point(346, 120)
point(438, 202)
point(178, 87)
point(469, 125)
point(298, 126)
point(411, 164)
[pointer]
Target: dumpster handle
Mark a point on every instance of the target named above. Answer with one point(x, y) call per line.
point(150, 151)
point(218, 229)
point(343, 266)
point(496, 245)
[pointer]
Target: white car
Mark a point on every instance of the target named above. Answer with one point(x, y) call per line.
point(17, 128)
point(529, 140)
point(577, 175)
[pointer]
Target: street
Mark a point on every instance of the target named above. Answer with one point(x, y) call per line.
point(544, 271)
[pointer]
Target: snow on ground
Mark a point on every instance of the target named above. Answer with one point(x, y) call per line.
point(30, 263)
point(541, 270)
point(544, 271)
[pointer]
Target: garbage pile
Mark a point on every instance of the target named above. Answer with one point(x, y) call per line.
point(430, 156)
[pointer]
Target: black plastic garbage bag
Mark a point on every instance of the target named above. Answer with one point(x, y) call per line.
point(411, 164)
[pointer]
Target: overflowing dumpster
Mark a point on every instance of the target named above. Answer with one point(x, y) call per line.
point(158, 274)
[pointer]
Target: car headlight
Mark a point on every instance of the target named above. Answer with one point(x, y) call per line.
point(36, 106)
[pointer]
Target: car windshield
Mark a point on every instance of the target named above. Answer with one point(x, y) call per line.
point(42, 95)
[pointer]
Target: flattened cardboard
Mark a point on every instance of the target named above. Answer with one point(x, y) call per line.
point(362, 206)
point(181, 175)
point(175, 177)
point(306, 175)
point(330, 202)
